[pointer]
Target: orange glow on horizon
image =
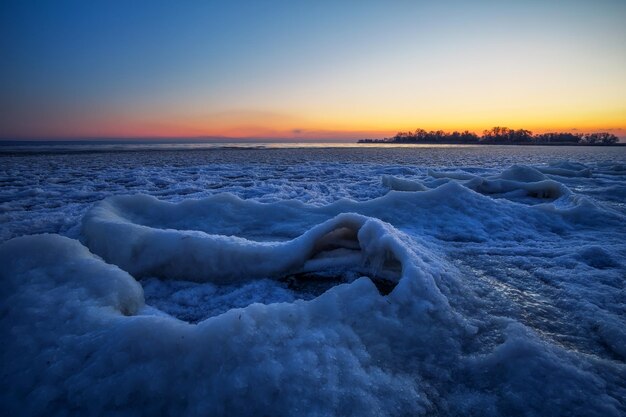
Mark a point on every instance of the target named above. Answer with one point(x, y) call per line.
point(319, 123)
point(338, 131)
point(253, 132)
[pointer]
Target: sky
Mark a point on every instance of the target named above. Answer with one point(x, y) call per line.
point(308, 70)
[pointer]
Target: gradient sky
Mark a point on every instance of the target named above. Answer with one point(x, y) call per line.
point(308, 70)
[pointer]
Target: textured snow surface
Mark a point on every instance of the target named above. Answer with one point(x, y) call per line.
point(436, 281)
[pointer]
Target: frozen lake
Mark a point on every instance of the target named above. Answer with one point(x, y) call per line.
point(360, 280)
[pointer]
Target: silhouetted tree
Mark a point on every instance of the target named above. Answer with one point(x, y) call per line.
point(602, 138)
point(505, 135)
point(558, 137)
point(498, 135)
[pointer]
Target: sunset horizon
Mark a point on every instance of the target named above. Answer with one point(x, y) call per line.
point(289, 136)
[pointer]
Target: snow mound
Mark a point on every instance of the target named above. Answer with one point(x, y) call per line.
point(541, 190)
point(401, 184)
point(79, 326)
point(456, 175)
point(522, 173)
point(108, 289)
point(349, 241)
point(566, 169)
point(518, 183)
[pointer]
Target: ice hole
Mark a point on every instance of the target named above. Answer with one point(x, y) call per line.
point(335, 259)
point(545, 194)
point(194, 302)
point(312, 284)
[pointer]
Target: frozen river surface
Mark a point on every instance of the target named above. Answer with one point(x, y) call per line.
point(469, 280)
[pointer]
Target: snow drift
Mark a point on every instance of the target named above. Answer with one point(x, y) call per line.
point(340, 243)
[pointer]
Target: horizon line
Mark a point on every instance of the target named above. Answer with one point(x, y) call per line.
point(156, 138)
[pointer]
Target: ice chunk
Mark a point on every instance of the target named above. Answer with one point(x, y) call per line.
point(456, 175)
point(198, 256)
point(74, 341)
point(401, 184)
point(58, 264)
point(543, 190)
point(566, 169)
point(522, 173)
point(519, 183)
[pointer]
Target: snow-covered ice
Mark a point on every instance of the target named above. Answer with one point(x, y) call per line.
point(366, 281)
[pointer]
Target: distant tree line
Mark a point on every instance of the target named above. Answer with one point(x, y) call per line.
point(499, 135)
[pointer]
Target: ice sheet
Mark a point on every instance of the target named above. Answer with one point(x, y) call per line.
point(321, 288)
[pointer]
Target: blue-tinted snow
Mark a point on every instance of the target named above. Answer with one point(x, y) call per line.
point(171, 292)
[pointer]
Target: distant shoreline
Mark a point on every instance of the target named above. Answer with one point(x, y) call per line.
point(392, 142)
point(500, 135)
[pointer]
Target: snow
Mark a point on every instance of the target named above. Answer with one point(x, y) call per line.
point(303, 285)
point(566, 169)
point(401, 184)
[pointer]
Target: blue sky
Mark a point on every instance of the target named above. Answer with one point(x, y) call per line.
point(331, 69)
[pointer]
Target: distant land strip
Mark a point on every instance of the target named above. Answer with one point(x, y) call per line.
point(501, 136)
